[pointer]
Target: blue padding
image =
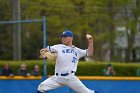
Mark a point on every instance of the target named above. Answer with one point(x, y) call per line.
point(18, 86)
point(102, 86)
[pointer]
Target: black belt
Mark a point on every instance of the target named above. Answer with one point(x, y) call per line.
point(65, 74)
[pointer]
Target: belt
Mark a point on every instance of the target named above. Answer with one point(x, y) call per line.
point(64, 74)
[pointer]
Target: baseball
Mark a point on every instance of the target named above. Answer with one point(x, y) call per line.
point(88, 36)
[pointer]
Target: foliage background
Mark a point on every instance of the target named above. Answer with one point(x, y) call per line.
point(99, 18)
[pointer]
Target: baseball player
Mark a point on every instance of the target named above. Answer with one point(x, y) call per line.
point(66, 64)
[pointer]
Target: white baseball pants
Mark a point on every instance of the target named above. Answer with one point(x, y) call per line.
point(58, 81)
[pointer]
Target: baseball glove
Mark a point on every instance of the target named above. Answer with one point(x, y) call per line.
point(48, 55)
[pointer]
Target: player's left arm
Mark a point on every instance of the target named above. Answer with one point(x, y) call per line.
point(90, 45)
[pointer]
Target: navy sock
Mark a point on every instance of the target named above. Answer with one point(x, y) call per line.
point(39, 91)
point(96, 92)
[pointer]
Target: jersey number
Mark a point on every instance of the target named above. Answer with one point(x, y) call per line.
point(74, 60)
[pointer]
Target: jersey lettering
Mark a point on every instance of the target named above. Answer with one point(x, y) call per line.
point(69, 51)
point(74, 59)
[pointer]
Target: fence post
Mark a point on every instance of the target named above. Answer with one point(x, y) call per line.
point(44, 45)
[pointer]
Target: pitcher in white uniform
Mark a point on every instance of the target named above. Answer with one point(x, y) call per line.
point(66, 65)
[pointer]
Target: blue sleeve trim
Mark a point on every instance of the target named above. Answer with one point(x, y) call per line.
point(49, 48)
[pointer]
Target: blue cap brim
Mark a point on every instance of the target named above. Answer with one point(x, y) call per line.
point(66, 34)
point(62, 35)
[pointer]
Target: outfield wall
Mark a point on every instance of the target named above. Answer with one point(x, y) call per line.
point(19, 84)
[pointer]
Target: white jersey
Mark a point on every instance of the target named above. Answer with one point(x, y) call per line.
point(67, 57)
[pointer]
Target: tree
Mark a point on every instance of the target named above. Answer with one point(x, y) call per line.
point(5, 34)
point(132, 22)
point(96, 17)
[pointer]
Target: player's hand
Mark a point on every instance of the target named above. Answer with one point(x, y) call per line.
point(89, 37)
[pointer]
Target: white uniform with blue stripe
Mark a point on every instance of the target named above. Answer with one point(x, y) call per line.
point(67, 58)
point(65, 68)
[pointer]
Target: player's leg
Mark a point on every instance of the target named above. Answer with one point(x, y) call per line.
point(78, 86)
point(48, 84)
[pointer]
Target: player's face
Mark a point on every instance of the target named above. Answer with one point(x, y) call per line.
point(67, 40)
